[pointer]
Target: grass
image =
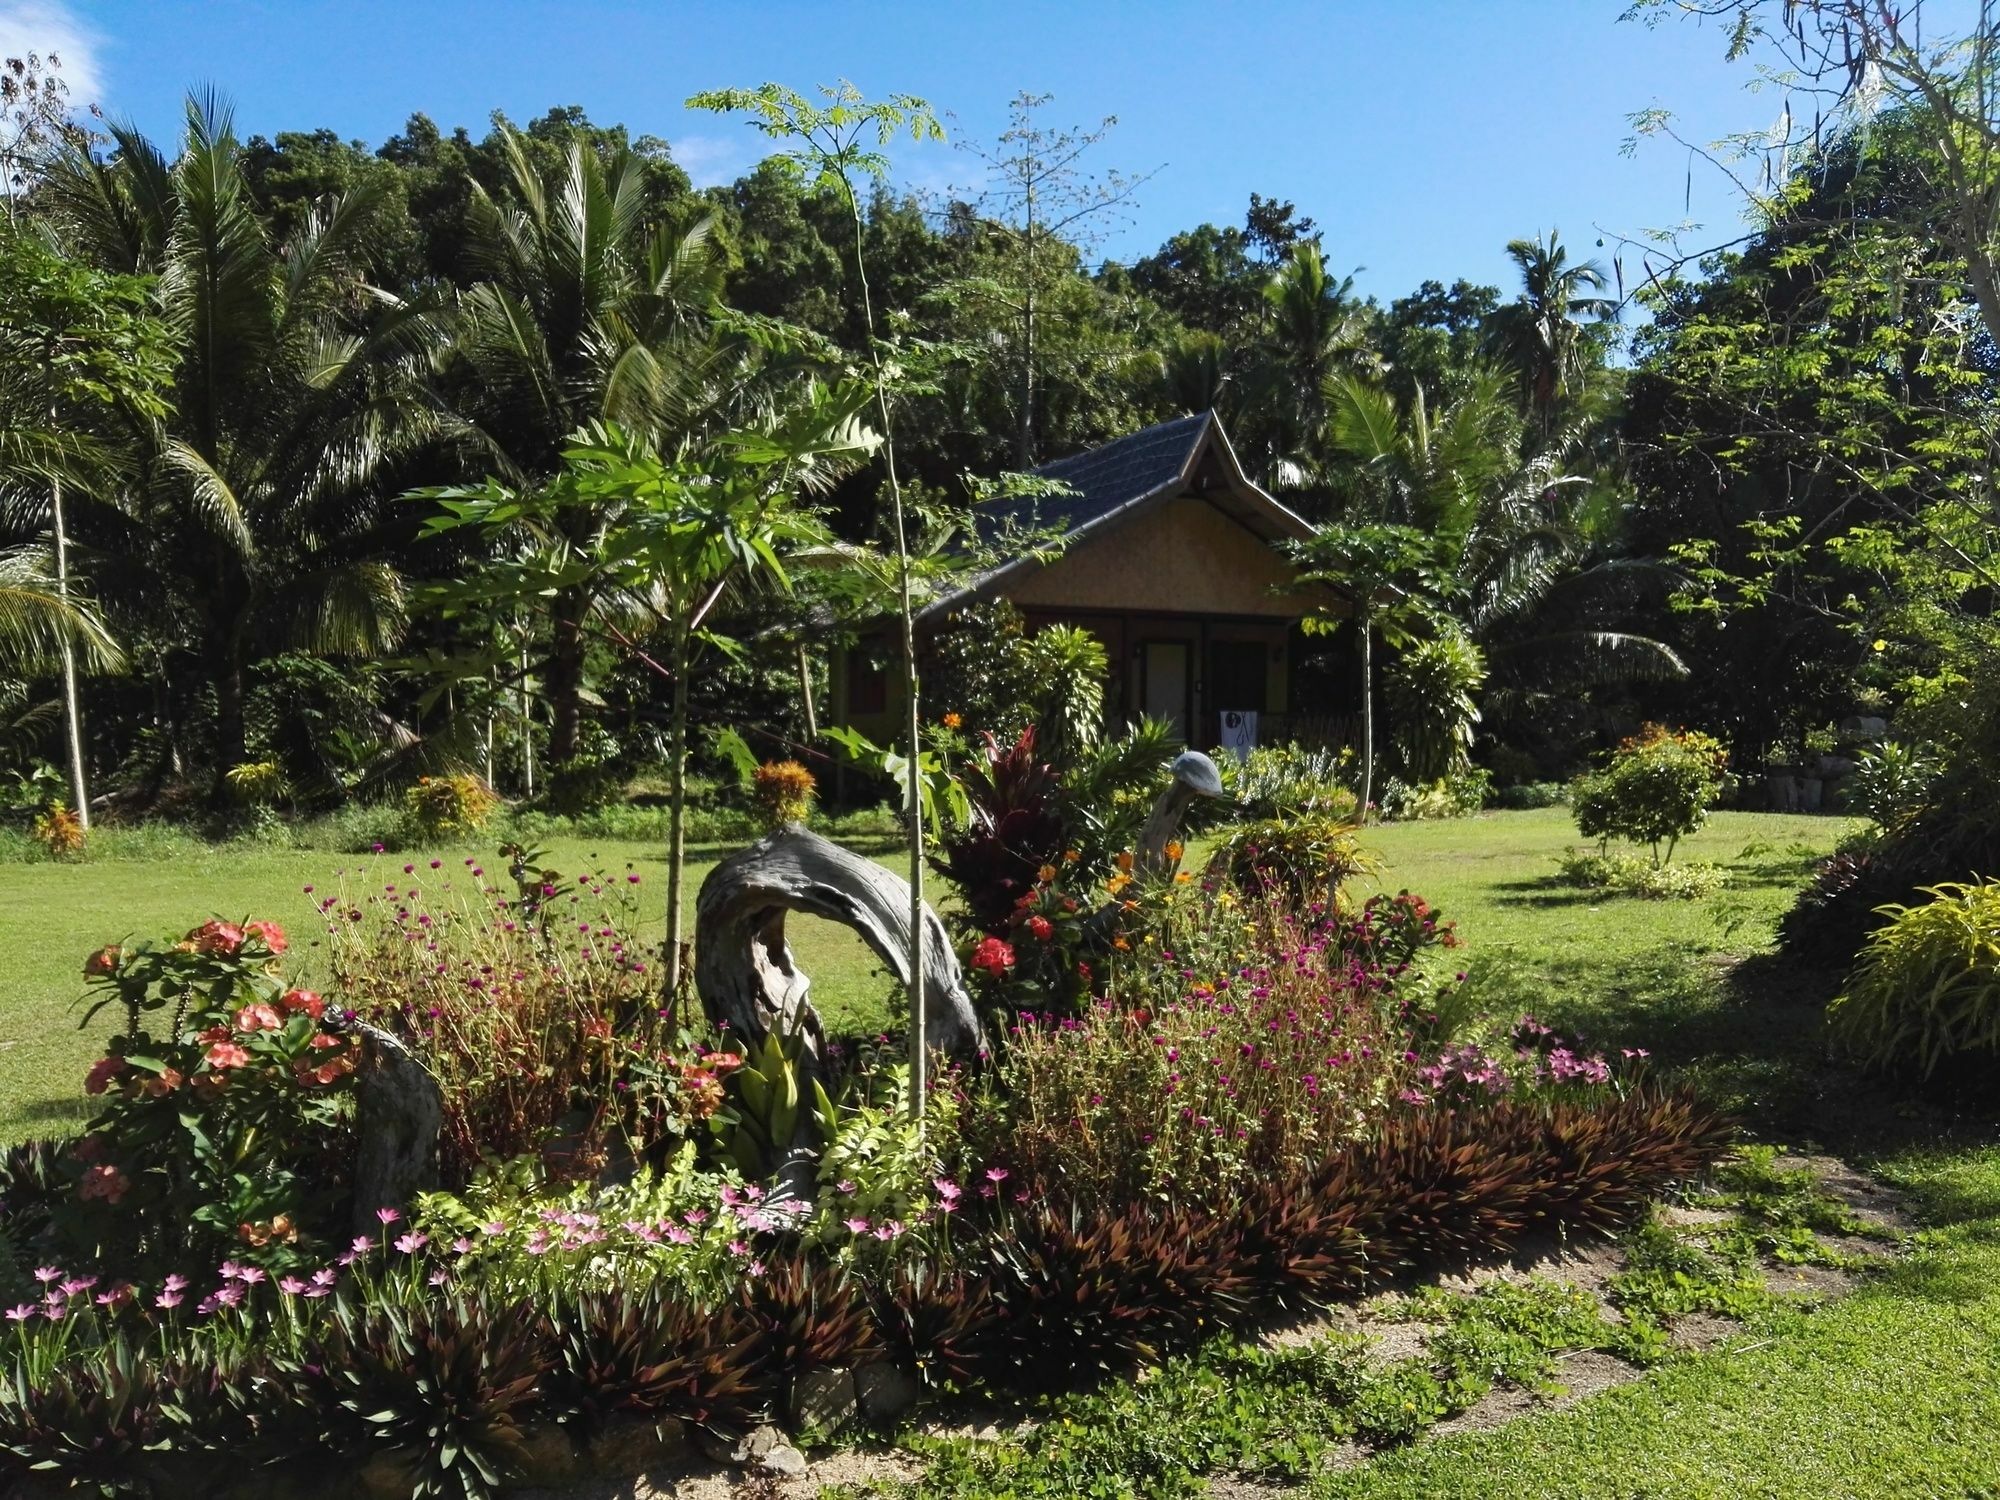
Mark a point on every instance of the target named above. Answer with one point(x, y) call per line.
point(53, 915)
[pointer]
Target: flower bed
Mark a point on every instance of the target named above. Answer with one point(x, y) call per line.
point(1227, 1107)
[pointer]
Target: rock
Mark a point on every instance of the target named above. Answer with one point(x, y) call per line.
point(784, 1460)
point(760, 1441)
point(630, 1446)
point(824, 1399)
point(884, 1391)
point(549, 1458)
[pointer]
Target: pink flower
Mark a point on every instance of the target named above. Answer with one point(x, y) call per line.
point(21, 1312)
point(291, 1286)
point(48, 1275)
point(439, 1277)
point(388, 1215)
point(230, 1295)
point(167, 1300)
point(98, 1079)
point(272, 934)
point(996, 1174)
point(857, 1226)
point(461, 1246)
point(412, 1242)
point(227, 1055)
point(325, 1276)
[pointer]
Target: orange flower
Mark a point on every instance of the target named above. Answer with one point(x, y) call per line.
point(1070, 856)
point(1125, 861)
point(1046, 874)
point(952, 721)
point(103, 962)
point(1173, 850)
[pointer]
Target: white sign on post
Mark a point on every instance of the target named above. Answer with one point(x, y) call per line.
point(1239, 732)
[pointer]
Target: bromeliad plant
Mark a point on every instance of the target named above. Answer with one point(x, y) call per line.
point(225, 1112)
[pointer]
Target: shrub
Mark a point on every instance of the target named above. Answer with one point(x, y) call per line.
point(783, 791)
point(59, 831)
point(1833, 915)
point(1305, 858)
point(1430, 688)
point(1189, 1087)
point(225, 1120)
point(1456, 796)
point(1890, 784)
point(642, 1351)
point(1013, 832)
point(1928, 985)
point(1630, 875)
point(1657, 789)
point(259, 783)
point(448, 807)
point(524, 1007)
point(1528, 795)
point(1275, 780)
point(1066, 673)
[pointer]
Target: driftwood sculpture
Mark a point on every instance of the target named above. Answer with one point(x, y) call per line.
point(1195, 775)
point(744, 970)
point(398, 1111)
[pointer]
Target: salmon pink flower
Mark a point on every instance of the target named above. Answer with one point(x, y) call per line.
point(294, 1001)
point(258, 1017)
point(104, 962)
point(98, 1079)
point(217, 937)
point(227, 1055)
point(103, 1181)
point(272, 934)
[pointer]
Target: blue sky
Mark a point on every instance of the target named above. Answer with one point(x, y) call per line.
point(1420, 134)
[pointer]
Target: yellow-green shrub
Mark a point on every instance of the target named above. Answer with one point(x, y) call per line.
point(449, 806)
point(1927, 986)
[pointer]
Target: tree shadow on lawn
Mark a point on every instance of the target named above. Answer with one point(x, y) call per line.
point(1748, 1033)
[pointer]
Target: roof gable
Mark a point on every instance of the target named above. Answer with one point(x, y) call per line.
point(1115, 481)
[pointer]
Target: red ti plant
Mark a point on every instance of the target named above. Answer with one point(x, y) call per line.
point(1014, 831)
point(224, 1120)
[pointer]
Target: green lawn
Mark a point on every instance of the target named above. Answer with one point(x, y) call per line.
point(53, 915)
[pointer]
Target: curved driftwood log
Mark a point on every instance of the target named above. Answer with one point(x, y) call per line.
point(744, 970)
point(1195, 776)
point(398, 1111)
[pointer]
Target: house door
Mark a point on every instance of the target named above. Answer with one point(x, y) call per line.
point(1164, 694)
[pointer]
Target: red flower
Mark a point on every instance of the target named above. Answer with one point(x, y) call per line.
point(993, 956)
point(272, 934)
point(103, 962)
point(98, 1079)
point(1042, 928)
point(217, 937)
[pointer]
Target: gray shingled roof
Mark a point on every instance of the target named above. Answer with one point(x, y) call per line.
point(1104, 478)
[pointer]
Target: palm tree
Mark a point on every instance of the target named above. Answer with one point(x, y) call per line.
point(1524, 548)
point(1540, 333)
point(1316, 332)
point(257, 521)
point(585, 312)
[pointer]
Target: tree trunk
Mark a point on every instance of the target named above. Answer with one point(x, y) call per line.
point(565, 679)
point(72, 703)
point(806, 694)
point(676, 819)
point(1367, 715)
point(229, 695)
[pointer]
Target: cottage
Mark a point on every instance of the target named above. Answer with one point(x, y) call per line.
point(1173, 558)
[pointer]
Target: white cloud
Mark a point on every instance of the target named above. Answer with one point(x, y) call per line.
point(714, 160)
point(47, 27)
